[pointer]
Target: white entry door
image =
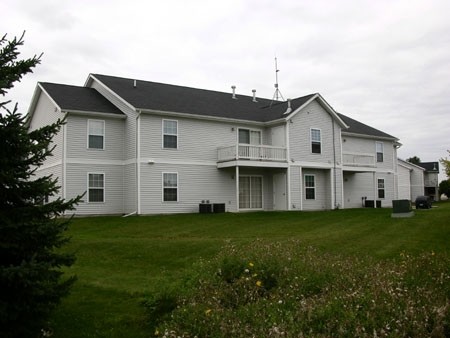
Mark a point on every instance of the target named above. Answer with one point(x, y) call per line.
point(279, 192)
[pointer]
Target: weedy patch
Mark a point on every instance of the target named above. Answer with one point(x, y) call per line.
point(286, 289)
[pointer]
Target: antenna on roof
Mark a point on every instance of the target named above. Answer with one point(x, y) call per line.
point(277, 93)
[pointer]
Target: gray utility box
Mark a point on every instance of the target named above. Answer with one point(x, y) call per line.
point(402, 208)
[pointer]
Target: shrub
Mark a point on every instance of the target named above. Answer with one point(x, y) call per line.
point(285, 289)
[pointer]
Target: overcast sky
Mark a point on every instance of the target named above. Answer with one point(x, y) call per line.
point(384, 63)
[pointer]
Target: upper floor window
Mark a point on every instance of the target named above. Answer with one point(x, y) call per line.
point(247, 136)
point(96, 187)
point(316, 141)
point(380, 151)
point(96, 134)
point(381, 188)
point(170, 187)
point(170, 134)
point(310, 187)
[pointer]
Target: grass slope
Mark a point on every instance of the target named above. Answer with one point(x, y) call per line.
point(122, 260)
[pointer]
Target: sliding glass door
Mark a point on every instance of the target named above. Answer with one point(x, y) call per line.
point(250, 192)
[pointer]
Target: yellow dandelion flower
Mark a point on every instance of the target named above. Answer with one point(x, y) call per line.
point(258, 283)
point(207, 312)
point(251, 265)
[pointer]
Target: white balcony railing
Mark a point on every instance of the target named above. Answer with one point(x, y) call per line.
point(358, 160)
point(251, 152)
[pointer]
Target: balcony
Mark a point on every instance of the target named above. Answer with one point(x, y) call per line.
point(252, 155)
point(359, 160)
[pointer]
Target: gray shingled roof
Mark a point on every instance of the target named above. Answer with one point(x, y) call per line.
point(430, 166)
point(171, 98)
point(79, 98)
point(357, 127)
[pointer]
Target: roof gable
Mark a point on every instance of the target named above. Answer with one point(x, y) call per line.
point(304, 101)
point(74, 98)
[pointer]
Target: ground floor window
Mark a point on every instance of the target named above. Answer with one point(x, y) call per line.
point(310, 187)
point(250, 192)
point(170, 187)
point(381, 188)
point(96, 187)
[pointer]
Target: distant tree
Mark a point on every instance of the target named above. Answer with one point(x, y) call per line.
point(31, 231)
point(444, 188)
point(414, 160)
point(446, 163)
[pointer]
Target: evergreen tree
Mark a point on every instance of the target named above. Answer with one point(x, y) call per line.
point(31, 231)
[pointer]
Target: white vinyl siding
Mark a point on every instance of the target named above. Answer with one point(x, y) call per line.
point(366, 146)
point(379, 151)
point(322, 189)
point(170, 134)
point(96, 188)
point(78, 137)
point(198, 140)
point(170, 187)
point(313, 116)
point(195, 183)
point(96, 134)
point(129, 128)
point(316, 141)
point(113, 180)
point(46, 113)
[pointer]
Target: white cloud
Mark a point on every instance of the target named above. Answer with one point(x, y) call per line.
point(384, 63)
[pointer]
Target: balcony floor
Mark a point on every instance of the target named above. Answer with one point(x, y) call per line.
point(252, 163)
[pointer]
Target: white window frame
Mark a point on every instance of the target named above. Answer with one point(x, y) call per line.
point(262, 192)
point(378, 152)
point(250, 136)
point(169, 134)
point(89, 134)
point(311, 140)
point(306, 187)
point(379, 180)
point(104, 187)
point(177, 187)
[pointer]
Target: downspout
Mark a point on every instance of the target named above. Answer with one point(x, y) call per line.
point(237, 188)
point(288, 181)
point(138, 162)
point(64, 159)
point(334, 164)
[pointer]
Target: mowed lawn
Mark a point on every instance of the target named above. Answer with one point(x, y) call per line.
point(120, 261)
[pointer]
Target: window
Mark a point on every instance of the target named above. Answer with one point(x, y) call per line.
point(170, 134)
point(316, 141)
point(310, 187)
point(170, 187)
point(247, 136)
point(250, 192)
point(379, 146)
point(96, 187)
point(381, 188)
point(96, 134)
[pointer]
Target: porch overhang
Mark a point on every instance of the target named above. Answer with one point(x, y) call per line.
point(252, 163)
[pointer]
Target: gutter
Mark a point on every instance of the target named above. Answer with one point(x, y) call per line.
point(138, 161)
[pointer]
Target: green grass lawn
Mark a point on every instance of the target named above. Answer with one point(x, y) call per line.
point(120, 261)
